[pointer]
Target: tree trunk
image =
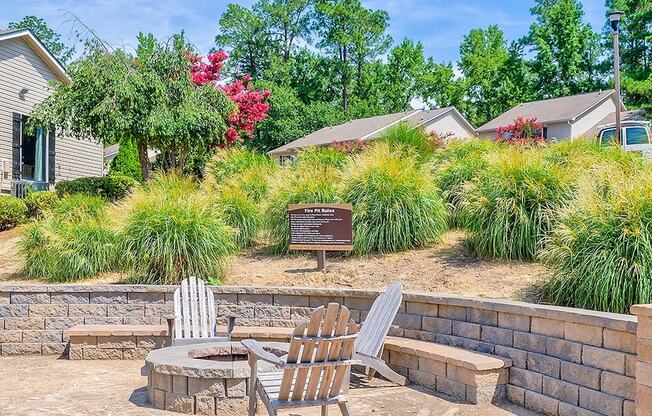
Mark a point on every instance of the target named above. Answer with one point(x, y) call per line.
point(143, 158)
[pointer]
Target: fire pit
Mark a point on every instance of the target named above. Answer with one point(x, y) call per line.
point(202, 379)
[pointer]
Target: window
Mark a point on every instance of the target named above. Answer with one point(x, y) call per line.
point(637, 135)
point(608, 136)
point(33, 155)
point(32, 151)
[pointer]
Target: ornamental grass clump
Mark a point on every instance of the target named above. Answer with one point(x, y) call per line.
point(511, 204)
point(241, 213)
point(600, 251)
point(407, 138)
point(455, 165)
point(396, 205)
point(78, 207)
point(242, 168)
point(171, 232)
point(300, 183)
point(334, 155)
point(66, 250)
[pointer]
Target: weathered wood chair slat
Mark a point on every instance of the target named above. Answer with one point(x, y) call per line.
point(194, 314)
point(312, 374)
point(371, 338)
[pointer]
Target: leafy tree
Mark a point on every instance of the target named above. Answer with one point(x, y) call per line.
point(126, 162)
point(482, 54)
point(244, 33)
point(287, 21)
point(440, 87)
point(49, 38)
point(635, 50)
point(564, 47)
point(148, 97)
point(406, 67)
point(349, 34)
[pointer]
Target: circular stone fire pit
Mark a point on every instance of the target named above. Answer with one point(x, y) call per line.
point(204, 379)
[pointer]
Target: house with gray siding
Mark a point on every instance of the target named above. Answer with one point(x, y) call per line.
point(42, 157)
point(563, 118)
point(442, 121)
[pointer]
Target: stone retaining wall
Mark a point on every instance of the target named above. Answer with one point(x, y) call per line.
point(565, 361)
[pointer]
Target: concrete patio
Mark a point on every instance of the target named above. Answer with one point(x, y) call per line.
point(49, 386)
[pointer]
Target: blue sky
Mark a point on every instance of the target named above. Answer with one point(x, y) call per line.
point(438, 24)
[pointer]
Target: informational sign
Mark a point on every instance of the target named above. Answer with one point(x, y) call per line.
point(321, 227)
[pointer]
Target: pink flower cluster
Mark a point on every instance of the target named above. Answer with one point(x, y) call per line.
point(252, 106)
point(349, 146)
point(206, 72)
point(521, 131)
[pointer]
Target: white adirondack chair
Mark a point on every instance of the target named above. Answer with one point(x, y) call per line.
point(194, 319)
point(314, 373)
point(371, 338)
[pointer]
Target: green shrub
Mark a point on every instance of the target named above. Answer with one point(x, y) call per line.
point(576, 156)
point(126, 162)
point(169, 235)
point(303, 183)
point(40, 202)
point(457, 164)
point(78, 207)
point(112, 188)
point(241, 213)
point(411, 139)
point(13, 212)
point(600, 252)
point(322, 155)
point(242, 168)
point(396, 205)
point(64, 251)
point(511, 204)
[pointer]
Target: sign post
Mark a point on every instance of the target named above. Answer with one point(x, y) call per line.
point(321, 228)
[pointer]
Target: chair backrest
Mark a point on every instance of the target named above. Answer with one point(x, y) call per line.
point(319, 355)
point(194, 310)
point(375, 327)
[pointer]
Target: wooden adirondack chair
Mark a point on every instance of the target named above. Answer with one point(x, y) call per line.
point(371, 338)
point(194, 314)
point(315, 369)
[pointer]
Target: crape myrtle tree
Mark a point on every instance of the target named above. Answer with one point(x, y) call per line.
point(162, 96)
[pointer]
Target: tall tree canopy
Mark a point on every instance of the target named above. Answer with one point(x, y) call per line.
point(49, 38)
point(160, 97)
point(564, 47)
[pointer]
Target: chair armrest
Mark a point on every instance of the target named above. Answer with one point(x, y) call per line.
point(170, 322)
point(257, 350)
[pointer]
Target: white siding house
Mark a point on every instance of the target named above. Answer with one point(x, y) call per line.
point(562, 118)
point(443, 121)
point(26, 68)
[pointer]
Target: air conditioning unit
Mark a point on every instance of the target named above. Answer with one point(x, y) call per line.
point(21, 188)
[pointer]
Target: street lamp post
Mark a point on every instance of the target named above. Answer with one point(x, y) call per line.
point(614, 19)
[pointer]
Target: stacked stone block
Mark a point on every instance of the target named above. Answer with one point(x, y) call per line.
point(564, 361)
point(202, 396)
point(115, 342)
point(644, 364)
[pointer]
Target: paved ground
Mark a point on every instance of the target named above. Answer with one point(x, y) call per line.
point(47, 386)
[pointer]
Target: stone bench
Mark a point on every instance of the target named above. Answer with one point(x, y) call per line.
point(463, 374)
point(115, 342)
point(466, 375)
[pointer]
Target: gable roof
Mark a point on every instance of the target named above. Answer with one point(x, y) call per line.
point(50, 60)
point(366, 128)
point(554, 110)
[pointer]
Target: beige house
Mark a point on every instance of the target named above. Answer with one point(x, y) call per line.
point(443, 121)
point(41, 158)
point(562, 118)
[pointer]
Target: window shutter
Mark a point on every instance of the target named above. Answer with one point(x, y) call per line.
point(51, 154)
point(15, 155)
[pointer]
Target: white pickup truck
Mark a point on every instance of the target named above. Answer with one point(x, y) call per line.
point(635, 136)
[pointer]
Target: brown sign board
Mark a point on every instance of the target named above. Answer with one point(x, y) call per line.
point(321, 226)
